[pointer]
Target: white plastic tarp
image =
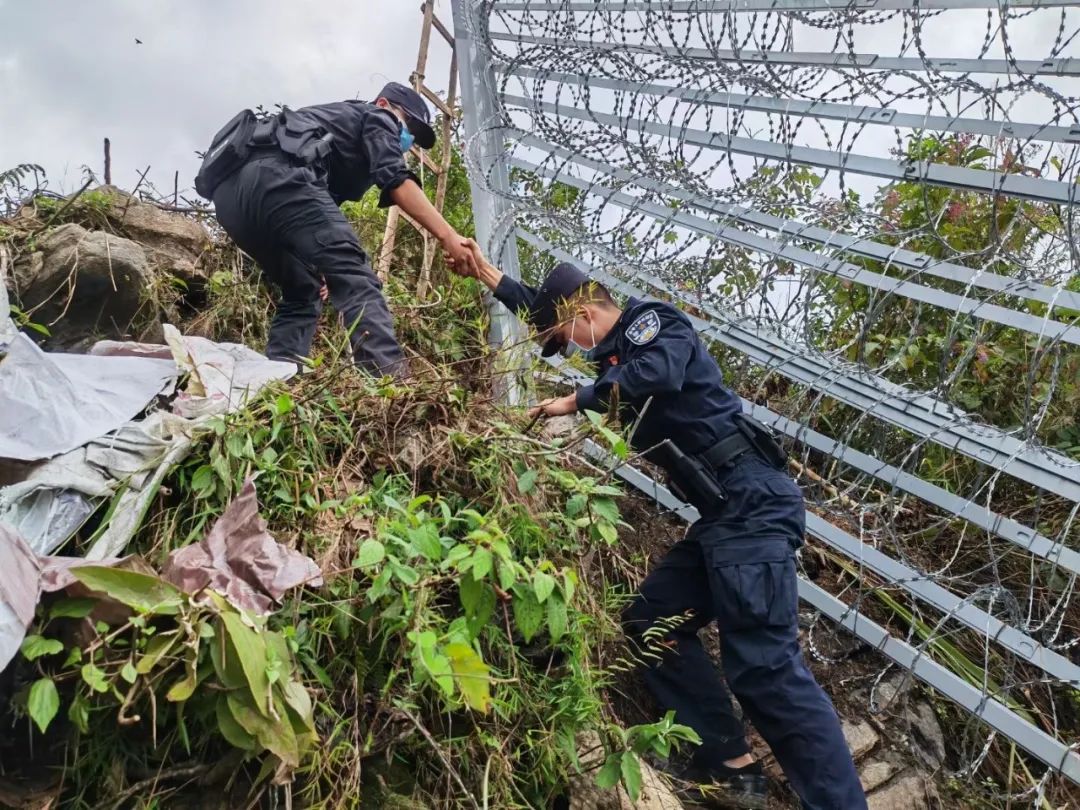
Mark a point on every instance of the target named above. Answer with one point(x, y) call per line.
point(52, 403)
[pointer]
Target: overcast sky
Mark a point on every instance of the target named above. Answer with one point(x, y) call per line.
point(72, 74)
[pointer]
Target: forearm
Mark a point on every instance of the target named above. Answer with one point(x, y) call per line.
point(410, 198)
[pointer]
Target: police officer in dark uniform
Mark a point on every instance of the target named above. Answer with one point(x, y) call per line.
point(276, 184)
point(736, 564)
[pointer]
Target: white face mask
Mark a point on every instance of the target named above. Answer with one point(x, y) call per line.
point(571, 348)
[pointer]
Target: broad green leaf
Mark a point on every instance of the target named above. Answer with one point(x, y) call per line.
point(569, 582)
point(95, 678)
point(606, 508)
point(371, 552)
point(611, 773)
point(142, 592)
point(472, 675)
point(250, 648)
point(299, 700)
point(432, 661)
point(527, 481)
point(631, 774)
point(576, 505)
point(556, 617)
point(43, 703)
point(528, 614)
point(34, 647)
point(232, 731)
point(481, 566)
point(543, 585)
point(72, 608)
point(276, 736)
point(185, 687)
point(156, 649)
point(469, 589)
point(425, 539)
point(407, 574)
point(202, 482)
point(507, 575)
point(607, 532)
point(283, 404)
point(485, 609)
point(79, 713)
point(128, 673)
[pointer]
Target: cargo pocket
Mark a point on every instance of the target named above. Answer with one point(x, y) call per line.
point(753, 585)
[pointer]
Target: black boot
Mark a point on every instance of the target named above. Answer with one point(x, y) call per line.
point(721, 786)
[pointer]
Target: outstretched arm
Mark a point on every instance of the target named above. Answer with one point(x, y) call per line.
point(410, 198)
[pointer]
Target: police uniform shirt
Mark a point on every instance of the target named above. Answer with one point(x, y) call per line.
point(365, 152)
point(667, 381)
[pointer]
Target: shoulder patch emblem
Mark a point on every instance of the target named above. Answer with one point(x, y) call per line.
point(644, 329)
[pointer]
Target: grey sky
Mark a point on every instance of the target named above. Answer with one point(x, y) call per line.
point(71, 73)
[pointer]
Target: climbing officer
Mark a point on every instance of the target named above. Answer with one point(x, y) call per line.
point(276, 183)
point(736, 564)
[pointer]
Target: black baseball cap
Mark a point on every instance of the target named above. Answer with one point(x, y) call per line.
point(559, 285)
point(416, 110)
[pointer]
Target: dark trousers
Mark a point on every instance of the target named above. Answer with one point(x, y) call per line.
point(737, 566)
point(283, 216)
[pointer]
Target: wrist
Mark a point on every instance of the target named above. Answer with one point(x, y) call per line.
point(489, 275)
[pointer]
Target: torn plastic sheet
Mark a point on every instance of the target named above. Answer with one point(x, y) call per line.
point(241, 560)
point(222, 375)
point(53, 403)
point(131, 461)
point(24, 576)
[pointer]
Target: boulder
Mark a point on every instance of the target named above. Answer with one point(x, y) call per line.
point(174, 242)
point(860, 737)
point(85, 285)
point(908, 792)
point(896, 699)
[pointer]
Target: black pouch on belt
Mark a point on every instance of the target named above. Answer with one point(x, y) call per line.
point(692, 479)
point(227, 153)
point(763, 441)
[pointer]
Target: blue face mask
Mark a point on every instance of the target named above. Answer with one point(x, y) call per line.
point(407, 139)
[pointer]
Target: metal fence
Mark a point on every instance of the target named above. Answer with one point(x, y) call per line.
point(869, 209)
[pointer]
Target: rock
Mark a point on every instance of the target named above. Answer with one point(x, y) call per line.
point(86, 285)
point(861, 738)
point(585, 795)
point(915, 715)
point(876, 772)
point(175, 242)
point(557, 426)
point(909, 792)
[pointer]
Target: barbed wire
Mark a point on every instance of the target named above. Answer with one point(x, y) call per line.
point(871, 211)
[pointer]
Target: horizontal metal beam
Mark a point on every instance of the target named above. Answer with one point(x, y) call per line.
point(1068, 66)
point(854, 113)
point(917, 413)
point(889, 255)
point(758, 6)
point(921, 171)
point(1048, 329)
point(982, 705)
point(1020, 535)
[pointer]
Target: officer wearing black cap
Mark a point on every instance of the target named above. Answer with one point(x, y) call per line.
point(276, 184)
point(736, 564)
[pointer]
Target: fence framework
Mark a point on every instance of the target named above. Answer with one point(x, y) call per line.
point(683, 133)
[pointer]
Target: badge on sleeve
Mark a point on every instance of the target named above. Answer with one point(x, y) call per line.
point(644, 329)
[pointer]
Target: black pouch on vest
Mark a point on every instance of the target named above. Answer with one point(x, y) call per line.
point(306, 142)
point(227, 153)
point(763, 441)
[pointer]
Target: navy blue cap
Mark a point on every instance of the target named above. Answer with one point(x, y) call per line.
point(416, 110)
point(560, 284)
